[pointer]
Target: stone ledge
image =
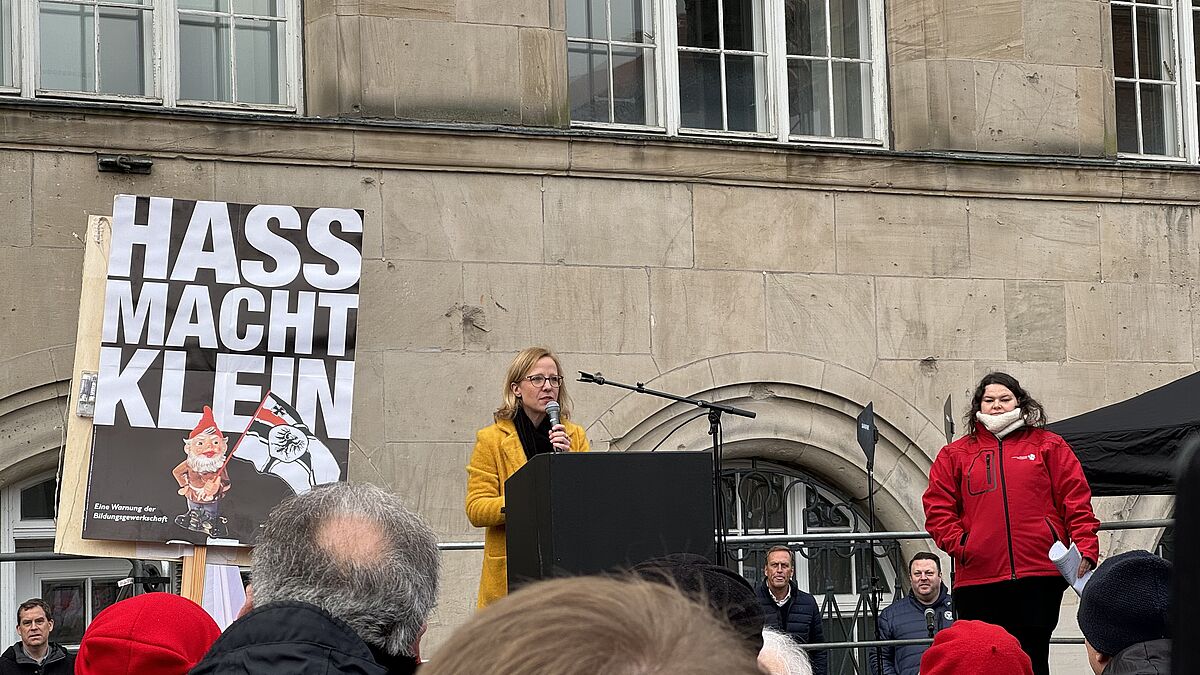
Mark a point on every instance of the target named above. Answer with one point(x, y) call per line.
point(450, 146)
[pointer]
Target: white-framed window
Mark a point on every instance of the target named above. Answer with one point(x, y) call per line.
point(223, 53)
point(1156, 79)
point(783, 70)
point(612, 60)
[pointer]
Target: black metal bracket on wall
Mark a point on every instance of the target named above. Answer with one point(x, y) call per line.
point(124, 164)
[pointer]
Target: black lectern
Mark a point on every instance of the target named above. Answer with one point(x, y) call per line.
point(587, 512)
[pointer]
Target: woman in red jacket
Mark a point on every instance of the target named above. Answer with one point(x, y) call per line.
point(997, 499)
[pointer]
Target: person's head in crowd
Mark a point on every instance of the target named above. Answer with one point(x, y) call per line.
point(34, 625)
point(975, 648)
point(355, 551)
point(925, 576)
point(158, 633)
point(1124, 605)
point(531, 383)
point(724, 591)
point(589, 625)
point(779, 568)
point(781, 655)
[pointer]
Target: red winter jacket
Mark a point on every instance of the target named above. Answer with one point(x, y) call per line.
point(991, 504)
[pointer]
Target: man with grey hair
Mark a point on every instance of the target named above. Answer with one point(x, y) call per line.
point(344, 576)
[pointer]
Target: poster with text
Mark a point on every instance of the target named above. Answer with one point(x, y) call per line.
point(226, 374)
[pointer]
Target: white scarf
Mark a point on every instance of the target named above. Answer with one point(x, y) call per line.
point(1003, 424)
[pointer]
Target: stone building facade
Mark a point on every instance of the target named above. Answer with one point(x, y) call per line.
point(988, 220)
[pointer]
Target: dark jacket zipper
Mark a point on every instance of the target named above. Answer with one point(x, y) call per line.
point(1012, 565)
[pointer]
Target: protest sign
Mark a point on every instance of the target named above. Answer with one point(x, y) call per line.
point(225, 369)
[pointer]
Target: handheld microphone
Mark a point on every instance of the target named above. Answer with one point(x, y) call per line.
point(929, 614)
point(552, 410)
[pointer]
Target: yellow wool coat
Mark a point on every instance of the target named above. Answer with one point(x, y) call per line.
point(498, 454)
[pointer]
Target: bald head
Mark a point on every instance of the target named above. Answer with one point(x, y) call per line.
point(356, 552)
point(351, 539)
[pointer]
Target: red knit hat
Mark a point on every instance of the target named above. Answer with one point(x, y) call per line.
point(156, 633)
point(207, 425)
point(975, 648)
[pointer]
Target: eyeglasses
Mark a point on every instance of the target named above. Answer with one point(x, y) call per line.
point(538, 380)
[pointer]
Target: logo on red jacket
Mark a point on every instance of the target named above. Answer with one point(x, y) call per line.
point(1030, 457)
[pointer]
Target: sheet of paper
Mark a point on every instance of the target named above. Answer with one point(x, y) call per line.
point(1067, 561)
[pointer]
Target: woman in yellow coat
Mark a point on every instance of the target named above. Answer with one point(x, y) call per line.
point(522, 430)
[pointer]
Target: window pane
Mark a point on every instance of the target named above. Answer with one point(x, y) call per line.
point(587, 74)
point(729, 501)
point(68, 604)
point(1158, 120)
point(852, 100)
point(831, 565)
point(700, 91)
point(258, 7)
point(585, 18)
point(743, 25)
point(746, 78)
point(820, 514)
point(68, 47)
point(633, 86)
point(104, 593)
point(204, 58)
point(697, 20)
point(33, 545)
point(1127, 118)
point(631, 20)
point(848, 38)
point(1196, 40)
point(1155, 49)
point(37, 501)
point(1122, 37)
point(259, 55)
point(6, 38)
point(808, 97)
point(805, 21)
point(762, 497)
point(205, 5)
point(125, 51)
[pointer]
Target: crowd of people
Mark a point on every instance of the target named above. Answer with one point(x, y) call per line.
point(345, 578)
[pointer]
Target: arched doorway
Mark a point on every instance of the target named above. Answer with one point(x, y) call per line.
point(797, 469)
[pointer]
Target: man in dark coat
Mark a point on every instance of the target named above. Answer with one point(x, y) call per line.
point(922, 613)
point(1123, 615)
point(35, 654)
point(344, 577)
point(790, 609)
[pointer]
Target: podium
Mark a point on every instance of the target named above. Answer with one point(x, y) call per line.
point(588, 512)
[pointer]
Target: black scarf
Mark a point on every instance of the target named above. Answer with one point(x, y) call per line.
point(535, 440)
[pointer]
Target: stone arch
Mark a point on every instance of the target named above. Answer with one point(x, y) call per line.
point(34, 388)
point(806, 418)
point(32, 430)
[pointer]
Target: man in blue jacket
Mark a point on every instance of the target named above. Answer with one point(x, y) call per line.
point(921, 614)
point(790, 609)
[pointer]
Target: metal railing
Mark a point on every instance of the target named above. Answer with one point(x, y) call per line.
point(775, 538)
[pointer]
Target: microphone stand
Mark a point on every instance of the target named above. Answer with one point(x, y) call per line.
point(714, 429)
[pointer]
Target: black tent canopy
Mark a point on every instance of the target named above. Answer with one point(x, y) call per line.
point(1132, 447)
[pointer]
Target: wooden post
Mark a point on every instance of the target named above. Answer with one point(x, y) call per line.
point(192, 584)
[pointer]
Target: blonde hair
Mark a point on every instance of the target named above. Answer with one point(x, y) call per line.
point(521, 364)
point(588, 625)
